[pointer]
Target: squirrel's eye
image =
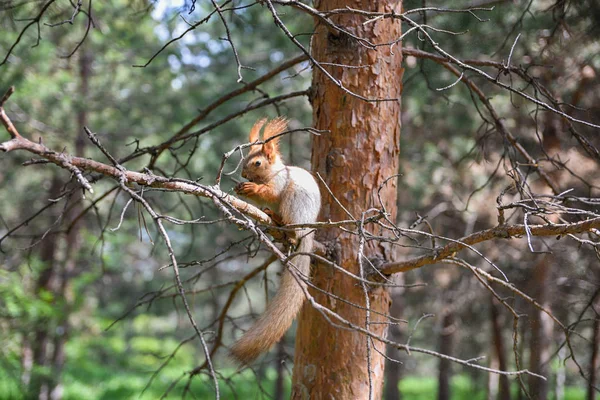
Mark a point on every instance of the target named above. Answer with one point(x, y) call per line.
point(257, 163)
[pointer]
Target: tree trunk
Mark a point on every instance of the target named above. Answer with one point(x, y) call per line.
point(73, 239)
point(355, 158)
point(393, 368)
point(280, 368)
point(594, 356)
point(541, 331)
point(46, 282)
point(446, 346)
point(500, 350)
point(50, 336)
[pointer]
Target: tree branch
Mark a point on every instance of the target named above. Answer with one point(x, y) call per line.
point(228, 96)
point(78, 164)
point(498, 122)
point(501, 232)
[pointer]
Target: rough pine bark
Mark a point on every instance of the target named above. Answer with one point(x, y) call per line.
point(355, 159)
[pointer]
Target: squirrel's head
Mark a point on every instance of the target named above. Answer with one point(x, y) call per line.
point(260, 160)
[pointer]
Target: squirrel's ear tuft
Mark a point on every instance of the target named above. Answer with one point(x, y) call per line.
point(255, 131)
point(274, 127)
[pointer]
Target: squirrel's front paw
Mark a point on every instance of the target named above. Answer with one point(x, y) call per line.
point(246, 188)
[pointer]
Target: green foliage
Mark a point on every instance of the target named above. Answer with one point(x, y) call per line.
point(574, 393)
point(463, 388)
point(419, 388)
point(17, 303)
point(99, 381)
point(119, 364)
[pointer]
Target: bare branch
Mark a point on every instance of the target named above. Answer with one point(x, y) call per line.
point(499, 232)
point(36, 20)
point(75, 164)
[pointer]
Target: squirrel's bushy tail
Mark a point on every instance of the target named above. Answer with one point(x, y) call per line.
point(280, 312)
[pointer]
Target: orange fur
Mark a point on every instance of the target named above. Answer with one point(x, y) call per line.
point(255, 131)
point(258, 191)
point(274, 127)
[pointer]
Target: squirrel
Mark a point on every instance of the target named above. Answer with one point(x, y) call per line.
point(293, 197)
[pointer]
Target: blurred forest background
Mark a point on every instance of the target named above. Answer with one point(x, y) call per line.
point(88, 307)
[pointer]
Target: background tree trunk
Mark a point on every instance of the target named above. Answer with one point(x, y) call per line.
point(541, 330)
point(355, 158)
point(46, 282)
point(446, 346)
point(503, 390)
point(281, 371)
point(594, 356)
point(51, 335)
point(73, 237)
point(393, 369)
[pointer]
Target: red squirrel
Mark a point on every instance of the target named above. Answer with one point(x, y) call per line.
point(293, 195)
